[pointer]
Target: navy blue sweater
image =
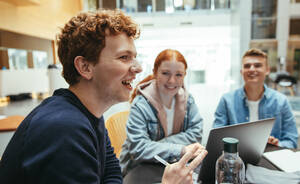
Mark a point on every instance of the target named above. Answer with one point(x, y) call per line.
point(60, 142)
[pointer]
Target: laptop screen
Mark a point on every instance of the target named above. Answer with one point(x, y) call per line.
point(252, 136)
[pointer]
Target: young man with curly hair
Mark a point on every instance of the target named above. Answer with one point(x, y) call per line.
point(64, 140)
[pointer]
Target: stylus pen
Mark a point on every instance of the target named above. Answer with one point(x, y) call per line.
point(161, 160)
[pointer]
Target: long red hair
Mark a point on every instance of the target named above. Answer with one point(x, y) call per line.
point(165, 55)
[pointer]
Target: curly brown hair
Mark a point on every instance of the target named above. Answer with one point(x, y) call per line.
point(84, 35)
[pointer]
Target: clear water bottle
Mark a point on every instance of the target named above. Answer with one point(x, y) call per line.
point(229, 166)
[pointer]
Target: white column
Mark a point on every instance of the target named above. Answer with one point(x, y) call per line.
point(245, 24)
point(100, 3)
point(282, 28)
point(118, 4)
point(242, 41)
point(153, 5)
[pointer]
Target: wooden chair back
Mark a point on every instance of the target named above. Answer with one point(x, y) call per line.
point(116, 127)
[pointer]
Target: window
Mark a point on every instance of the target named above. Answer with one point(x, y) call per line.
point(221, 4)
point(296, 67)
point(17, 59)
point(39, 59)
point(295, 27)
point(203, 4)
point(264, 8)
point(90, 5)
point(128, 5)
point(145, 6)
point(160, 5)
point(264, 19)
point(197, 76)
point(171, 6)
point(263, 28)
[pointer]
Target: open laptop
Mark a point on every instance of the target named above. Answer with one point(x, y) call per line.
point(252, 136)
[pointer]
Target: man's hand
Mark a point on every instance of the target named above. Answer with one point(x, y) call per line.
point(190, 147)
point(274, 141)
point(180, 172)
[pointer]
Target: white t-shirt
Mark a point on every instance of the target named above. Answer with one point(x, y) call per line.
point(170, 116)
point(253, 110)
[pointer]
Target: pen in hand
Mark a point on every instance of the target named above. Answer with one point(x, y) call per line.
point(161, 160)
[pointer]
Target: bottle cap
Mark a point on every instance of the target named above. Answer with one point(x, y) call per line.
point(230, 144)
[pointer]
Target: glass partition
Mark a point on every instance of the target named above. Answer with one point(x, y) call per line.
point(40, 59)
point(17, 59)
point(264, 8)
point(145, 6)
point(90, 5)
point(263, 28)
point(293, 58)
point(295, 27)
point(171, 6)
point(264, 18)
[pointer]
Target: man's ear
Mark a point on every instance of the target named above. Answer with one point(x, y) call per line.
point(83, 67)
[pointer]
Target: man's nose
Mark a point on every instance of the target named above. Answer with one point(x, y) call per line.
point(136, 67)
point(252, 67)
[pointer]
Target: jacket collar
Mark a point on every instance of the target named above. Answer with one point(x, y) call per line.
point(150, 92)
point(266, 95)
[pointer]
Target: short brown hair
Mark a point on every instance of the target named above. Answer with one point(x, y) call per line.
point(84, 35)
point(256, 53)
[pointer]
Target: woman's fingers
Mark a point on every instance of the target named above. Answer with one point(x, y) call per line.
point(187, 156)
point(197, 160)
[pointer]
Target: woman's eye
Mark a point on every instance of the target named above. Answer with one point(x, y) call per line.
point(179, 75)
point(165, 73)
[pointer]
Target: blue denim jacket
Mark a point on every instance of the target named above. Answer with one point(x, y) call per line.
point(145, 135)
point(233, 109)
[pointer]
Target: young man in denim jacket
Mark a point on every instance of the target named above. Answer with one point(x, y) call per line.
point(256, 101)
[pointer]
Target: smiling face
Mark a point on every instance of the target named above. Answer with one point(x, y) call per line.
point(116, 69)
point(170, 77)
point(254, 70)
